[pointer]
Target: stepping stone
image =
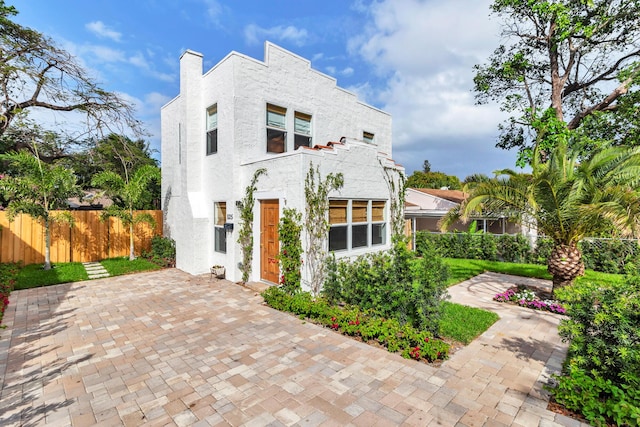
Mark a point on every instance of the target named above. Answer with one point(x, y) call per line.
point(95, 270)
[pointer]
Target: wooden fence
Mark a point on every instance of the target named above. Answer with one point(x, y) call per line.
point(90, 238)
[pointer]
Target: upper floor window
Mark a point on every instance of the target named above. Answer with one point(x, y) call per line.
point(367, 137)
point(212, 129)
point(276, 129)
point(302, 130)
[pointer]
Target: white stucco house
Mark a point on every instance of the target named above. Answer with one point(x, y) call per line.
point(279, 114)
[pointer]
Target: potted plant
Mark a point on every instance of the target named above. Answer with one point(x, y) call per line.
point(218, 271)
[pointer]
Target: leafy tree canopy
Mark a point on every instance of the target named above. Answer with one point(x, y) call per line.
point(36, 74)
point(579, 58)
point(433, 180)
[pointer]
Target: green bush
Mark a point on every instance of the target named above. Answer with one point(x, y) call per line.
point(394, 284)
point(609, 255)
point(163, 251)
point(513, 248)
point(366, 324)
point(8, 275)
point(601, 376)
point(290, 256)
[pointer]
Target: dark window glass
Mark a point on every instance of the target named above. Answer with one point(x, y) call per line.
point(338, 238)
point(276, 140)
point(221, 240)
point(212, 141)
point(359, 235)
point(378, 234)
point(302, 141)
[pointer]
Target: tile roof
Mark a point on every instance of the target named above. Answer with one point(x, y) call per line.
point(456, 196)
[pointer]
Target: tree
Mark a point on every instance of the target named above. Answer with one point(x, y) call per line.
point(36, 74)
point(426, 166)
point(565, 199)
point(131, 192)
point(433, 180)
point(577, 57)
point(36, 189)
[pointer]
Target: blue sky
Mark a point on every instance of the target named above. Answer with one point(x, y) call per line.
point(411, 58)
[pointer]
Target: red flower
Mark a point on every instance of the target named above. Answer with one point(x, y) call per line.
point(426, 339)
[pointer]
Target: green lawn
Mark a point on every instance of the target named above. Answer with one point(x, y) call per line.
point(463, 323)
point(463, 269)
point(33, 276)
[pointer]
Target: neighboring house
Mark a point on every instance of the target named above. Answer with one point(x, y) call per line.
point(281, 115)
point(424, 207)
point(92, 200)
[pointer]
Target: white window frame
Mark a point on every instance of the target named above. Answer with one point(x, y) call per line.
point(212, 129)
point(276, 128)
point(219, 219)
point(368, 137)
point(370, 223)
point(301, 132)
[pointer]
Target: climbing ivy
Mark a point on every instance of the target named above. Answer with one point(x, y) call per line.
point(245, 234)
point(290, 257)
point(396, 183)
point(316, 222)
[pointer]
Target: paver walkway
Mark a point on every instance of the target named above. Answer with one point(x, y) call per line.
point(168, 348)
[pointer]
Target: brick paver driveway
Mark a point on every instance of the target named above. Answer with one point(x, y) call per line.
point(168, 348)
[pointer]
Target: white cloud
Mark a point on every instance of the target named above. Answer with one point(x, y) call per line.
point(101, 30)
point(347, 71)
point(425, 52)
point(255, 34)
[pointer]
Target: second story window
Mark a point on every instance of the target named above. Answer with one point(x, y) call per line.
point(276, 129)
point(212, 129)
point(367, 137)
point(302, 130)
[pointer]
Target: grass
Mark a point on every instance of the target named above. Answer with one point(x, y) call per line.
point(33, 276)
point(122, 265)
point(463, 269)
point(463, 323)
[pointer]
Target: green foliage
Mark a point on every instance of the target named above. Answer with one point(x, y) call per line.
point(36, 188)
point(394, 285)
point(290, 257)
point(513, 248)
point(601, 377)
point(366, 324)
point(433, 180)
point(316, 221)
point(132, 191)
point(8, 275)
point(245, 233)
point(609, 255)
point(397, 185)
point(566, 54)
point(163, 251)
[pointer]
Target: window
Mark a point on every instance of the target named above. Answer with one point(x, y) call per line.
point(276, 129)
point(378, 226)
point(219, 218)
point(338, 225)
point(367, 137)
point(356, 224)
point(302, 130)
point(359, 220)
point(212, 129)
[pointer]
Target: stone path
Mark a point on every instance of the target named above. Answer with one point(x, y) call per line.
point(95, 270)
point(168, 348)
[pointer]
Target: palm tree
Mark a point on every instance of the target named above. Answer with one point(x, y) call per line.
point(130, 191)
point(37, 189)
point(566, 199)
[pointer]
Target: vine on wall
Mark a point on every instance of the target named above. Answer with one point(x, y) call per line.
point(396, 183)
point(290, 257)
point(316, 222)
point(245, 234)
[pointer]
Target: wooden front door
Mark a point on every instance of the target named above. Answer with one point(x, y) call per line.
point(269, 241)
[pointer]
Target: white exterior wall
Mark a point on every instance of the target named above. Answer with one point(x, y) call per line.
point(241, 87)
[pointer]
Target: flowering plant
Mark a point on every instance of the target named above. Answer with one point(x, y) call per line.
point(527, 298)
